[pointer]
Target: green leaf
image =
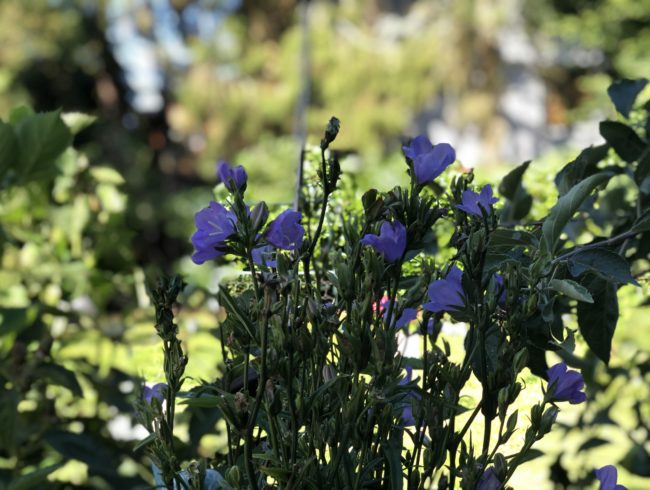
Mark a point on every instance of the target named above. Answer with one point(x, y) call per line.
point(233, 308)
point(106, 175)
point(9, 153)
point(597, 321)
point(42, 138)
point(642, 223)
point(623, 93)
point(19, 113)
point(204, 401)
point(565, 208)
point(606, 264)
point(530, 455)
point(584, 165)
point(145, 442)
point(512, 181)
point(77, 121)
point(511, 187)
point(280, 474)
point(393, 451)
point(637, 461)
point(593, 443)
point(34, 479)
point(58, 375)
point(624, 140)
point(83, 448)
point(571, 289)
point(504, 239)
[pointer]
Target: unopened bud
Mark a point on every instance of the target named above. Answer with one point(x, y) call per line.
point(259, 215)
point(548, 419)
point(512, 421)
point(536, 415)
point(500, 466)
point(241, 403)
point(269, 390)
point(331, 132)
point(531, 305)
point(233, 476)
point(329, 373)
point(520, 361)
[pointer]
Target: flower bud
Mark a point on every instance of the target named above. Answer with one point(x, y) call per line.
point(536, 415)
point(233, 476)
point(331, 132)
point(259, 215)
point(500, 466)
point(329, 373)
point(241, 403)
point(520, 360)
point(511, 425)
point(548, 419)
point(502, 399)
point(531, 305)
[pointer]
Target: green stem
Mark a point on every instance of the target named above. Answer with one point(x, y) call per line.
point(248, 443)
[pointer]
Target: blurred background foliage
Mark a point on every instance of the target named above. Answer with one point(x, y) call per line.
point(175, 85)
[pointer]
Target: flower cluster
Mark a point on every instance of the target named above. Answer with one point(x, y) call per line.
point(216, 225)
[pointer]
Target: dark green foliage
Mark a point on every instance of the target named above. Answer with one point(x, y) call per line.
point(597, 320)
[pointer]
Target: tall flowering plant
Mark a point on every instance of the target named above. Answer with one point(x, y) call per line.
point(314, 386)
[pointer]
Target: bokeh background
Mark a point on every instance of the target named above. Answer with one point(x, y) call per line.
point(176, 85)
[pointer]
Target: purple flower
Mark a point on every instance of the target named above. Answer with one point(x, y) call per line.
point(263, 255)
point(489, 480)
point(229, 174)
point(565, 385)
point(607, 476)
point(429, 160)
point(447, 294)
point(215, 224)
point(391, 241)
point(285, 231)
point(471, 200)
point(154, 392)
point(407, 316)
point(406, 418)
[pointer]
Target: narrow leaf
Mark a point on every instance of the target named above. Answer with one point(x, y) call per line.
point(233, 307)
point(34, 479)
